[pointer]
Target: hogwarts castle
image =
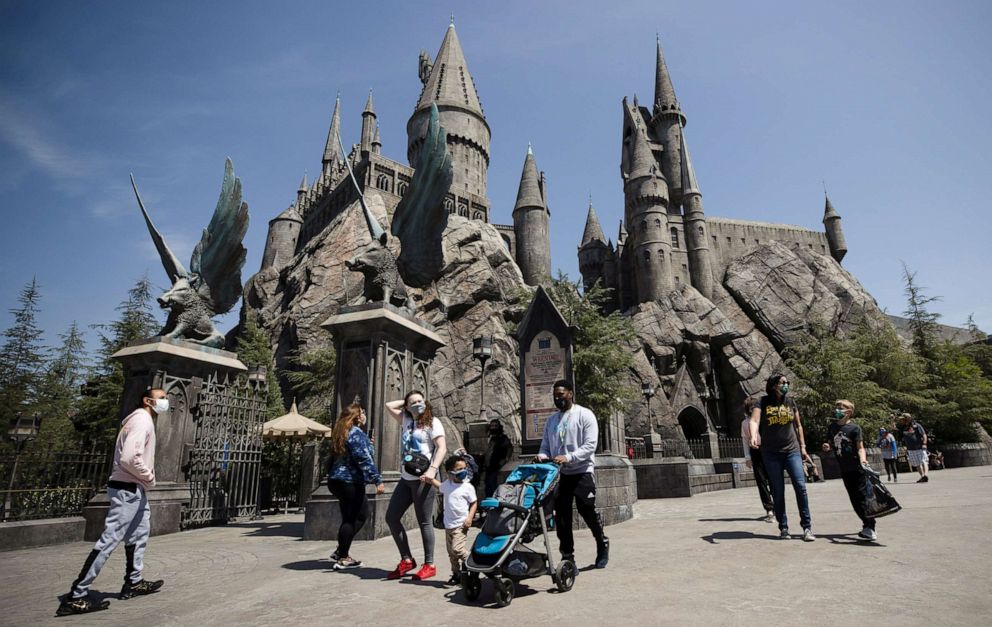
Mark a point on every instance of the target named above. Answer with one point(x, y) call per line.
point(447, 84)
point(713, 300)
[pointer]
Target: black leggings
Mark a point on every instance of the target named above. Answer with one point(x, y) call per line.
point(890, 469)
point(354, 512)
point(761, 478)
point(581, 489)
point(421, 496)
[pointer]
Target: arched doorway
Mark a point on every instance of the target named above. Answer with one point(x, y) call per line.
point(693, 423)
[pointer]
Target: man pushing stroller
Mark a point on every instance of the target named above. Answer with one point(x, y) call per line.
point(570, 439)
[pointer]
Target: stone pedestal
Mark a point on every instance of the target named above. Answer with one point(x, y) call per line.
point(179, 368)
point(383, 353)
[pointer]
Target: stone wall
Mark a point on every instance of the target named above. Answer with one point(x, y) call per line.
point(732, 239)
point(29, 533)
point(962, 455)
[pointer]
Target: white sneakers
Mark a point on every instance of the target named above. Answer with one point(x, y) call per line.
point(868, 534)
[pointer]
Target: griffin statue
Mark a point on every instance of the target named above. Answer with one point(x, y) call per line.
point(212, 284)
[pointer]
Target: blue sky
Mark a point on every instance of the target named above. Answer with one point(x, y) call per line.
point(885, 101)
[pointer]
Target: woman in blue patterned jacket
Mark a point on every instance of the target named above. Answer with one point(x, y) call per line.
point(352, 467)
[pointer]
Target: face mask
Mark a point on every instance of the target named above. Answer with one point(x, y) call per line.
point(461, 475)
point(161, 405)
point(839, 414)
point(785, 389)
point(560, 402)
point(418, 408)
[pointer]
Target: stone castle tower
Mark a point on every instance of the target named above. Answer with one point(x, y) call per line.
point(665, 238)
point(448, 84)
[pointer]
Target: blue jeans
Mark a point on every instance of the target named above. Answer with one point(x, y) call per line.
point(792, 463)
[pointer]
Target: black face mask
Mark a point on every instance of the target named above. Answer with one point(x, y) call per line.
point(561, 403)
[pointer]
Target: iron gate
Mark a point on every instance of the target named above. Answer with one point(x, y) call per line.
point(225, 461)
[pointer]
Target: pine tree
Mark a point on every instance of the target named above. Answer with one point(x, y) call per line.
point(60, 389)
point(22, 357)
point(922, 321)
point(254, 350)
point(100, 408)
point(603, 347)
point(312, 374)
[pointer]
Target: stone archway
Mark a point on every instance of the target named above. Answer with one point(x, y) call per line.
point(693, 423)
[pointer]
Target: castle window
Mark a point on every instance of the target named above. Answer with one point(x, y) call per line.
point(644, 226)
point(401, 189)
point(757, 241)
point(449, 205)
point(647, 256)
point(657, 223)
point(675, 238)
point(823, 248)
point(811, 247)
point(463, 210)
point(702, 233)
point(728, 241)
point(478, 216)
point(382, 182)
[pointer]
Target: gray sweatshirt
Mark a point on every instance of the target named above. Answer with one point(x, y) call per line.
point(573, 433)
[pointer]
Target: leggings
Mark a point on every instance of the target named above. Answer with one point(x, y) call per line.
point(421, 496)
point(354, 512)
point(890, 469)
point(761, 478)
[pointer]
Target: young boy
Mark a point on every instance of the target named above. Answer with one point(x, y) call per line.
point(845, 437)
point(460, 503)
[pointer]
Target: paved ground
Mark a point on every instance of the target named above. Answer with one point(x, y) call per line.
point(704, 560)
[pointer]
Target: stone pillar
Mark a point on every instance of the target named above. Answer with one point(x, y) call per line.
point(714, 439)
point(383, 352)
point(178, 367)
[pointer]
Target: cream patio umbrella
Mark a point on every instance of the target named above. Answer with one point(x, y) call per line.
point(294, 425)
point(296, 428)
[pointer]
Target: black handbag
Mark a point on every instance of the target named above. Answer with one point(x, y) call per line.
point(415, 462)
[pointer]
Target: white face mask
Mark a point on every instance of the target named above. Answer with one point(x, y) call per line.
point(161, 405)
point(418, 407)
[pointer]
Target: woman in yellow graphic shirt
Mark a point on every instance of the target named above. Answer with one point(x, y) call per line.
point(778, 432)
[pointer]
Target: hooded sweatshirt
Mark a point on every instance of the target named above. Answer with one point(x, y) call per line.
point(134, 454)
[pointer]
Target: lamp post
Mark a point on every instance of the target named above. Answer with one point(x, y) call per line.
point(482, 349)
point(23, 429)
point(648, 391)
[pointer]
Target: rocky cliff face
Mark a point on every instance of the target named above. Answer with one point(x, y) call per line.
point(480, 288)
point(705, 355)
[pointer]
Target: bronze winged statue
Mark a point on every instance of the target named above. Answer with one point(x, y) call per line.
point(212, 284)
point(420, 217)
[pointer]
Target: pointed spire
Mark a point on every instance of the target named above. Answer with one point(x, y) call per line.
point(664, 93)
point(828, 208)
point(643, 162)
point(593, 231)
point(332, 154)
point(369, 107)
point(303, 183)
point(689, 183)
point(376, 141)
point(450, 82)
point(529, 193)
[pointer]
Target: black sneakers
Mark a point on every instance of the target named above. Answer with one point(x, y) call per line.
point(137, 589)
point(603, 553)
point(85, 605)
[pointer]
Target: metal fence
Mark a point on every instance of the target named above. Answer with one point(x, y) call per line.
point(731, 447)
point(636, 448)
point(51, 483)
point(700, 448)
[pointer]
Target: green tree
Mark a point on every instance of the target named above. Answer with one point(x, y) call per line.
point(922, 321)
point(59, 394)
point(980, 348)
point(312, 374)
point(603, 354)
point(254, 349)
point(100, 407)
point(22, 357)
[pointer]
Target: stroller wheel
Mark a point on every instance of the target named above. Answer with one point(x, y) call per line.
point(565, 575)
point(471, 585)
point(504, 591)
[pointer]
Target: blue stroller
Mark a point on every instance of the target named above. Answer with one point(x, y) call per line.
point(519, 513)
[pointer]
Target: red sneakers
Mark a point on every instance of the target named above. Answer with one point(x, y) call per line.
point(426, 572)
point(403, 568)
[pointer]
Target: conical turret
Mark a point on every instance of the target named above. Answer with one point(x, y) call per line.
point(700, 261)
point(332, 149)
point(449, 85)
point(531, 225)
point(596, 257)
point(593, 231)
point(280, 244)
point(664, 92)
point(368, 125)
point(834, 230)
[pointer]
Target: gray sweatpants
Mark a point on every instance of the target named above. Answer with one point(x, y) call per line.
point(129, 520)
point(421, 496)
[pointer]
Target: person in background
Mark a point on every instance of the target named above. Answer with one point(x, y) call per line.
point(914, 438)
point(752, 458)
point(460, 503)
point(352, 467)
point(887, 444)
point(423, 433)
point(845, 438)
point(778, 431)
point(129, 517)
point(498, 452)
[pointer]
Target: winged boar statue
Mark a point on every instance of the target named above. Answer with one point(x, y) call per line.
point(212, 285)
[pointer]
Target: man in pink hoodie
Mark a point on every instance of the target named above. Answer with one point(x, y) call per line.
point(128, 518)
